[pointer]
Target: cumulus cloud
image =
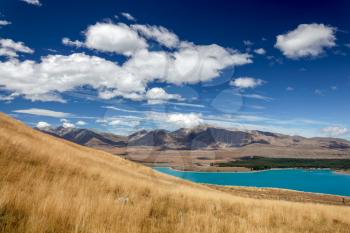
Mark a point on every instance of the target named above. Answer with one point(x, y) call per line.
point(81, 123)
point(335, 131)
point(32, 2)
point(55, 74)
point(68, 125)
point(117, 38)
point(260, 51)
point(179, 120)
point(4, 23)
point(290, 89)
point(201, 63)
point(42, 124)
point(185, 120)
point(128, 16)
point(10, 48)
point(43, 112)
point(246, 82)
point(158, 33)
point(158, 95)
point(307, 40)
point(190, 64)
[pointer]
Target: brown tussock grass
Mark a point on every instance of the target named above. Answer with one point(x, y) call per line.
point(48, 185)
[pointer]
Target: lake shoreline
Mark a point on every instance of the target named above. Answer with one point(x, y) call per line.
point(283, 194)
point(245, 169)
point(342, 172)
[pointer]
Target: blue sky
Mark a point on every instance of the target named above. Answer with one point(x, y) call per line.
point(122, 66)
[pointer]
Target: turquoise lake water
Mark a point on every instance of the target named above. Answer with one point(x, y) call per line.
point(317, 181)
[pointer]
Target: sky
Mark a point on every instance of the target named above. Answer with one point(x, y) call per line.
point(123, 66)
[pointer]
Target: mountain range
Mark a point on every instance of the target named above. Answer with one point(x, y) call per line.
point(202, 137)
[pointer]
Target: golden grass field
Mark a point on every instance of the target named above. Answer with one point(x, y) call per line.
point(50, 185)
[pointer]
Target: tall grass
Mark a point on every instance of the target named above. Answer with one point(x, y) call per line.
point(50, 185)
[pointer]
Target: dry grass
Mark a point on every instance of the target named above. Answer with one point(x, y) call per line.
point(49, 185)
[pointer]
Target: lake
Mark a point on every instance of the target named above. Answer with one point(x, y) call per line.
point(316, 181)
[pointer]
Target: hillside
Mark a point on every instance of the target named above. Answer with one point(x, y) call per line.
point(50, 185)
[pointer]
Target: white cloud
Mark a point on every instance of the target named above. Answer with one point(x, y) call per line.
point(10, 48)
point(158, 95)
point(120, 122)
point(185, 120)
point(114, 122)
point(307, 40)
point(169, 120)
point(81, 123)
point(335, 131)
point(120, 109)
point(117, 38)
point(68, 125)
point(42, 124)
point(32, 2)
point(200, 63)
point(4, 23)
point(256, 96)
point(260, 51)
point(43, 112)
point(101, 121)
point(68, 42)
point(160, 34)
point(246, 82)
point(128, 16)
point(188, 63)
point(290, 88)
point(55, 74)
point(187, 104)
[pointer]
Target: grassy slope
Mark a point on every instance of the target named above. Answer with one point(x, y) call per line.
point(50, 185)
